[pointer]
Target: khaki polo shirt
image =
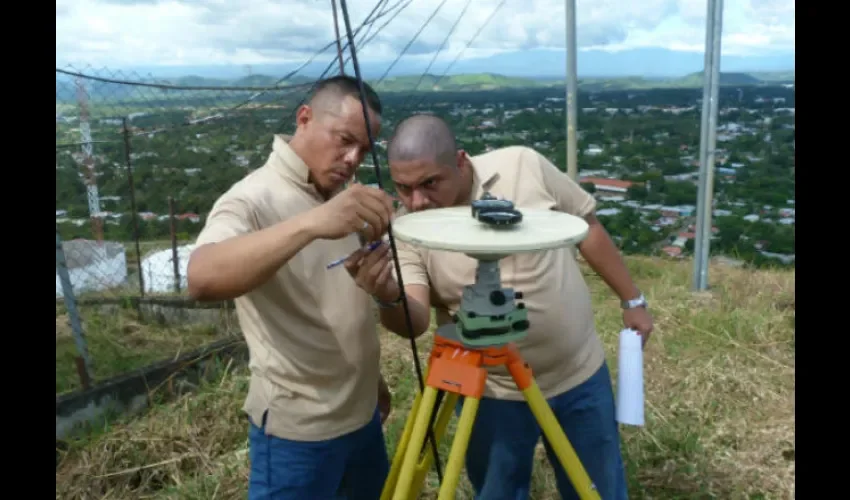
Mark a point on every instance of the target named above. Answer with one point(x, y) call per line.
point(311, 332)
point(562, 346)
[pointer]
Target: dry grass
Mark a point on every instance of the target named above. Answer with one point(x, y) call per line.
point(119, 342)
point(720, 405)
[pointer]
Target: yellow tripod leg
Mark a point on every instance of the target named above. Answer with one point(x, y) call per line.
point(560, 444)
point(414, 445)
point(403, 443)
point(459, 445)
point(441, 423)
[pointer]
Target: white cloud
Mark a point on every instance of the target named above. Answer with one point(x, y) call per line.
point(172, 32)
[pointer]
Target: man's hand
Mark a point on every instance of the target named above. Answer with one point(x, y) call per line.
point(640, 320)
point(372, 271)
point(359, 208)
point(384, 399)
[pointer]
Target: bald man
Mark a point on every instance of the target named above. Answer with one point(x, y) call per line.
point(313, 398)
point(562, 346)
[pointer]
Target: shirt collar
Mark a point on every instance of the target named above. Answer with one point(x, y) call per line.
point(484, 177)
point(288, 163)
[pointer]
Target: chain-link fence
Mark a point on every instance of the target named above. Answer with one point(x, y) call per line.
point(138, 162)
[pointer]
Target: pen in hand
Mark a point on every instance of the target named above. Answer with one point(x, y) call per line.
point(341, 260)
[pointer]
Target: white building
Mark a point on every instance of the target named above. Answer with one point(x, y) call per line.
point(93, 266)
point(157, 269)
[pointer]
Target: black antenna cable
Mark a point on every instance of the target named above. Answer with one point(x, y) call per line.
point(408, 321)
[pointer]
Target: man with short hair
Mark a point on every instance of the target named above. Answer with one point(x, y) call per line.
point(315, 427)
point(562, 347)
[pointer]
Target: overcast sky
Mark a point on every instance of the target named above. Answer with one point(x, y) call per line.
point(122, 33)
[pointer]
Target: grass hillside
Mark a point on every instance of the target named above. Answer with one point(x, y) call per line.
point(774, 76)
point(696, 80)
point(473, 81)
point(720, 391)
point(491, 81)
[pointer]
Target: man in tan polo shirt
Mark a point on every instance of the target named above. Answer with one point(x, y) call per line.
point(562, 347)
point(315, 429)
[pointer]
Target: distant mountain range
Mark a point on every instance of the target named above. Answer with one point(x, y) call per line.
point(491, 81)
point(462, 82)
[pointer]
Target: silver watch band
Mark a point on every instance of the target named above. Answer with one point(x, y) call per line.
point(640, 301)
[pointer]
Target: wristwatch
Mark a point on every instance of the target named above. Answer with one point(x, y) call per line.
point(640, 301)
point(388, 305)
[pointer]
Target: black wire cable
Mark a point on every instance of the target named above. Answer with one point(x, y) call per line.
point(381, 4)
point(168, 86)
point(388, 21)
point(408, 321)
point(225, 113)
point(457, 57)
point(437, 53)
point(288, 118)
point(415, 36)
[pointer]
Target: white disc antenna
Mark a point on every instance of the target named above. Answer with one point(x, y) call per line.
point(455, 229)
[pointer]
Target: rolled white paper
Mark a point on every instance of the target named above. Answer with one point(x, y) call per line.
point(630, 403)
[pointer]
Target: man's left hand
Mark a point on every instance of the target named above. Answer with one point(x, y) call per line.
point(384, 400)
point(640, 320)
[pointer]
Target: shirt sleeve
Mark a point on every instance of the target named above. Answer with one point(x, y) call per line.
point(412, 264)
point(410, 260)
point(569, 196)
point(229, 217)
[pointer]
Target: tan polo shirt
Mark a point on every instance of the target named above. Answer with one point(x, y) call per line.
point(311, 332)
point(562, 346)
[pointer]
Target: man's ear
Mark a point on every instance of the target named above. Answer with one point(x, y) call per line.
point(461, 159)
point(304, 115)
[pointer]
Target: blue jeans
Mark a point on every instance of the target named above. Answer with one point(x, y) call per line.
point(501, 448)
point(352, 467)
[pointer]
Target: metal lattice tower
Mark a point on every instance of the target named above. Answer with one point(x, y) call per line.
point(88, 162)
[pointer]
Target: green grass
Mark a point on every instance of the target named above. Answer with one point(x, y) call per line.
point(119, 342)
point(719, 386)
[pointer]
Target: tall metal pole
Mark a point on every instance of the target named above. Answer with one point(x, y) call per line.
point(708, 141)
point(175, 255)
point(338, 39)
point(88, 162)
point(83, 360)
point(134, 216)
point(572, 89)
point(703, 141)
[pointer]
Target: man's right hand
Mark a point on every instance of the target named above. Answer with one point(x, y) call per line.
point(372, 271)
point(358, 209)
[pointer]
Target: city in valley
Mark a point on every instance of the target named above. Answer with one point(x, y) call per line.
point(638, 153)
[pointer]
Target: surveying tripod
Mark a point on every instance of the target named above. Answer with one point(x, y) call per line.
point(482, 334)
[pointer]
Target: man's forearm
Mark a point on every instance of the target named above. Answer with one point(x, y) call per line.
point(395, 321)
point(231, 268)
point(604, 258)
